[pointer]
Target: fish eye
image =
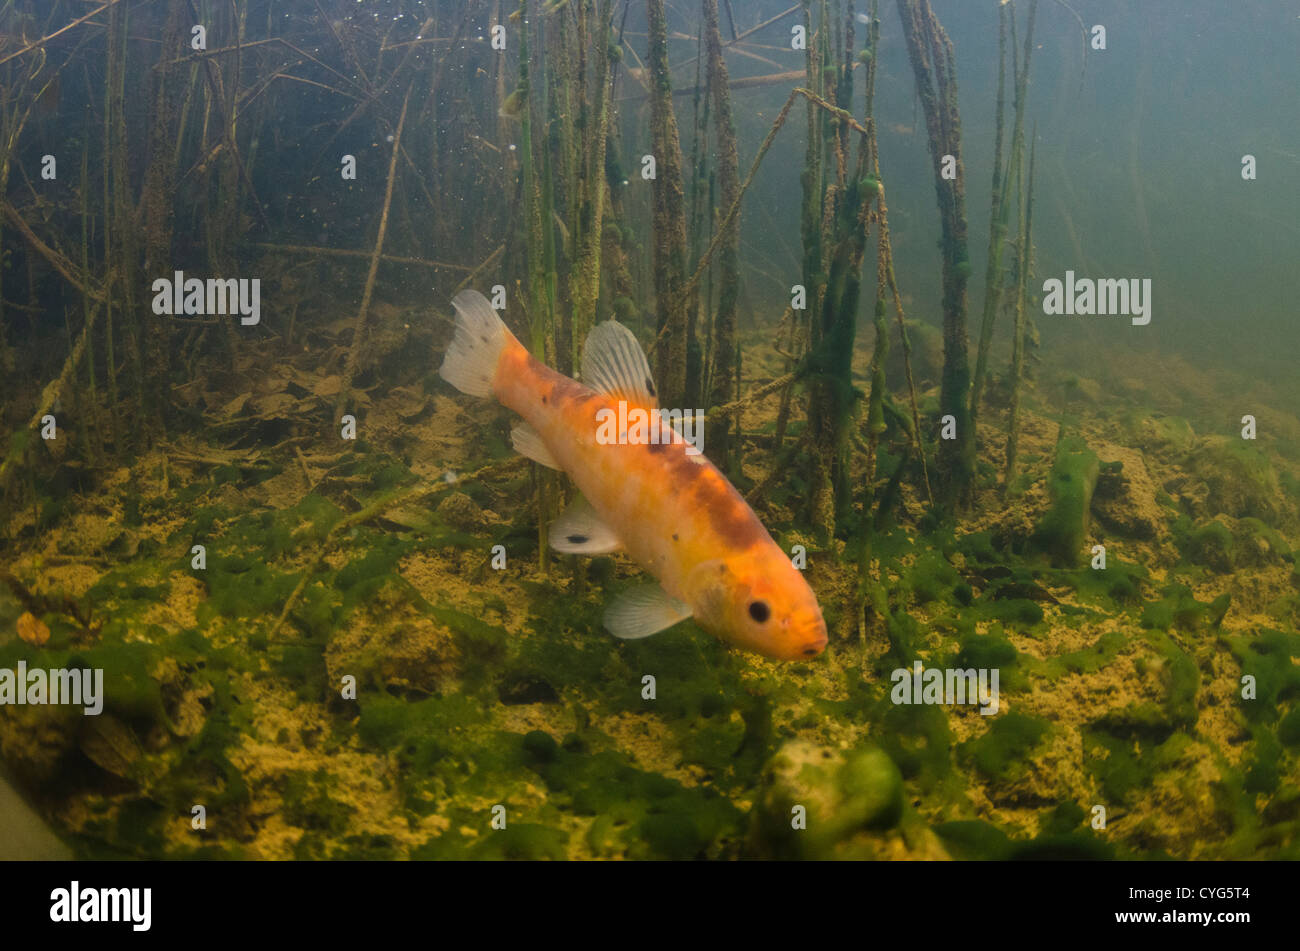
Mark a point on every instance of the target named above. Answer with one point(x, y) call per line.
point(759, 611)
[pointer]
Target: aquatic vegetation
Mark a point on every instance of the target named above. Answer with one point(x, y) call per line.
point(1062, 530)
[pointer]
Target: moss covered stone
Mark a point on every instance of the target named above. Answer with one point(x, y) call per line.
point(1062, 532)
point(821, 803)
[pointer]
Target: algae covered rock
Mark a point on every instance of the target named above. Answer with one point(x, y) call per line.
point(1125, 499)
point(1213, 546)
point(460, 512)
point(1226, 544)
point(820, 803)
point(409, 652)
point(1241, 480)
point(1063, 530)
point(1259, 544)
point(1163, 434)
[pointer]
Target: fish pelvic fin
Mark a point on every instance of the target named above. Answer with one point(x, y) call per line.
point(481, 337)
point(580, 531)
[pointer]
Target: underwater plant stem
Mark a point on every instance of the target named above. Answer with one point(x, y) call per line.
point(60, 263)
point(1000, 204)
point(157, 213)
point(359, 325)
point(669, 214)
point(541, 310)
point(997, 229)
point(724, 324)
point(907, 349)
point(933, 64)
point(707, 257)
point(37, 44)
point(777, 18)
point(96, 427)
point(348, 253)
point(1018, 343)
point(54, 389)
point(724, 410)
point(584, 282)
point(487, 262)
point(119, 209)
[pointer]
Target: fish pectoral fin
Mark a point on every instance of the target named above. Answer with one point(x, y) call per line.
point(642, 611)
point(580, 531)
point(528, 442)
point(614, 363)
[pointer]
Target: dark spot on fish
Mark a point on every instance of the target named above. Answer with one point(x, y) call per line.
point(675, 536)
point(544, 399)
point(486, 338)
point(565, 390)
point(577, 539)
point(729, 517)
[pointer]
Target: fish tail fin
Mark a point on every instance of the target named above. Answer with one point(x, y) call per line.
point(481, 338)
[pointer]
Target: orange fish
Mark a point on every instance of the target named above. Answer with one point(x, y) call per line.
point(644, 490)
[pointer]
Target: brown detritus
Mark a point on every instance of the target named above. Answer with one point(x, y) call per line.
point(39, 604)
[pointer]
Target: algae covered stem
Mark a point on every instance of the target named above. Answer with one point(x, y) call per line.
point(724, 368)
point(934, 65)
point(669, 214)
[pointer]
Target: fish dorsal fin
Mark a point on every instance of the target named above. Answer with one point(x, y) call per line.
point(528, 442)
point(580, 531)
point(614, 363)
point(644, 610)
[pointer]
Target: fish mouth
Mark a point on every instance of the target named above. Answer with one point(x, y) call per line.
point(814, 647)
point(811, 639)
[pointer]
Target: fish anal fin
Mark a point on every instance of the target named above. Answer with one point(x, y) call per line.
point(528, 442)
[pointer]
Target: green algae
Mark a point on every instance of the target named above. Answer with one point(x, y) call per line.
point(816, 803)
point(1002, 754)
point(1210, 544)
point(1179, 610)
point(1063, 529)
point(1268, 660)
point(646, 815)
point(312, 803)
point(931, 577)
point(918, 739)
point(1241, 480)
